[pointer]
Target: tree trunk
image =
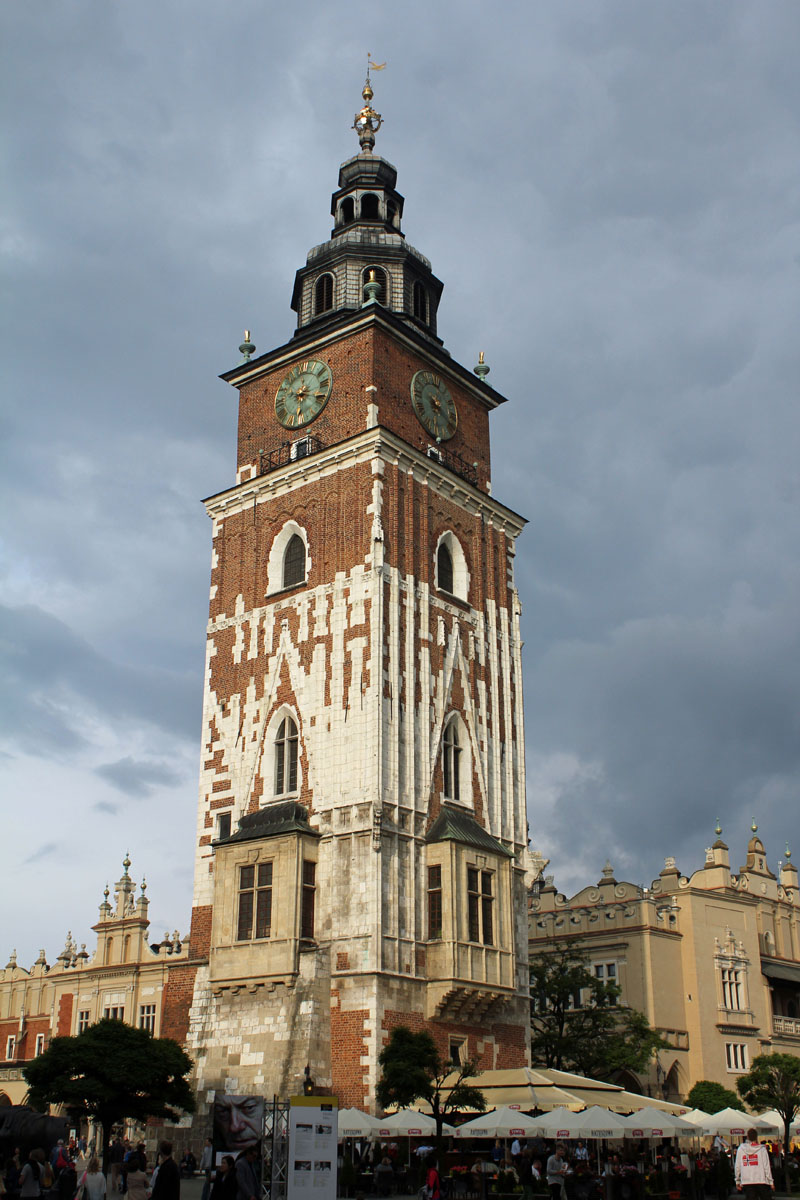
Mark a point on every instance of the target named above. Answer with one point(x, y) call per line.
point(786, 1147)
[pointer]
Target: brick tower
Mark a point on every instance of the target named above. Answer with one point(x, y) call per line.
point(362, 839)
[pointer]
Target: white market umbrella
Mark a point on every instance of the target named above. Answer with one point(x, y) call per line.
point(357, 1124)
point(597, 1122)
point(734, 1123)
point(774, 1118)
point(556, 1124)
point(409, 1123)
point(696, 1117)
point(646, 1123)
point(504, 1122)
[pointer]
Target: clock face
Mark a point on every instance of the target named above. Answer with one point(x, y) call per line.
point(303, 393)
point(434, 405)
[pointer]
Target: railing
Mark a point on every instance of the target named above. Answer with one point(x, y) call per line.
point(790, 1025)
point(288, 452)
point(455, 463)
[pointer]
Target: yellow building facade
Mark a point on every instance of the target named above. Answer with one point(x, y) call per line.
point(126, 977)
point(712, 959)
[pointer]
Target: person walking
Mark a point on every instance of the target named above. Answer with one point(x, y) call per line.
point(92, 1185)
point(556, 1170)
point(136, 1180)
point(30, 1177)
point(166, 1184)
point(225, 1183)
point(752, 1170)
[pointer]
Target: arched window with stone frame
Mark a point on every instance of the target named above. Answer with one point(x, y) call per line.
point(286, 745)
point(323, 294)
point(450, 567)
point(452, 751)
point(294, 562)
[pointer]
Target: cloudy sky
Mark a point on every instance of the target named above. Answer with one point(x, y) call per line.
point(609, 191)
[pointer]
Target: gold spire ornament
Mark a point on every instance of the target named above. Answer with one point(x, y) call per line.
point(367, 122)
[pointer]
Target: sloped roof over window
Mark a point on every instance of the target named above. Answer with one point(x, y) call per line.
point(454, 825)
point(786, 972)
point(272, 821)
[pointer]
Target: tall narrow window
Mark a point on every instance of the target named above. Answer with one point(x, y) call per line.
point(452, 762)
point(380, 279)
point(11, 1047)
point(255, 902)
point(444, 568)
point(480, 915)
point(224, 826)
point(308, 899)
point(420, 301)
point(83, 1020)
point(147, 1017)
point(286, 757)
point(323, 294)
point(731, 989)
point(294, 561)
point(434, 902)
point(348, 210)
point(39, 1047)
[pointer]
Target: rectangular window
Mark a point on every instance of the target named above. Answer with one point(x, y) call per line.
point(255, 901)
point(83, 1020)
point(434, 902)
point(147, 1017)
point(11, 1047)
point(480, 917)
point(736, 1055)
point(39, 1047)
point(731, 989)
point(114, 1013)
point(223, 826)
point(308, 898)
point(457, 1051)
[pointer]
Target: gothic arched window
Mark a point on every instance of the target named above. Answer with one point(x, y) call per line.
point(444, 568)
point(451, 760)
point(294, 562)
point(286, 757)
point(369, 207)
point(420, 299)
point(323, 294)
point(380, 279)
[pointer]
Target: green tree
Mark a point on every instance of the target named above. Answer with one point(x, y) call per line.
point(712, 1097)
point(112, 1071)
point(412, 1069)
point(773, 1081)
point(576, 1022)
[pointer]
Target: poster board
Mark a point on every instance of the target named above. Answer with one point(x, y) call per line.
point(313, 1139)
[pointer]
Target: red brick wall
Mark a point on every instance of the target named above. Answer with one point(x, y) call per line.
point(200, 932)
point(492, 1047)
point(348, 1044)
point(176, 1002)
point(64, 1020)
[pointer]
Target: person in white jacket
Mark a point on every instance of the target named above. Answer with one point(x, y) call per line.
point(753, 1172)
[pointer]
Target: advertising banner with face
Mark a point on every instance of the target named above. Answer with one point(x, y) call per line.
point(238, 1122)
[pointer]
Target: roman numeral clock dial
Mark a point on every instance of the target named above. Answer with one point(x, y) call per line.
point(303, 393)
point(434, 406)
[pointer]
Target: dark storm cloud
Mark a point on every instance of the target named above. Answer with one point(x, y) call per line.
point(54, 684)
point(135, 778)
point(608, 191)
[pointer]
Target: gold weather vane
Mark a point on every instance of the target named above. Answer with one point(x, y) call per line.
point(367, 122)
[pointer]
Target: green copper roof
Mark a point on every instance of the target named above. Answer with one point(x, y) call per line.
point(272, 821)
point(454, 825)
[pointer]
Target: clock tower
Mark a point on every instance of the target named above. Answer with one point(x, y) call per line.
point(362, 840)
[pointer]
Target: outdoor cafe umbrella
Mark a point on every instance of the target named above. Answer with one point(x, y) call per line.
point(408, 1123)
point(734, 1123)
point(696, 1117)
point(556, 1124)
point(353, 1123)
point(649, 1124)
point(597, 1122)
point(774, 1118)
point(503, 1122)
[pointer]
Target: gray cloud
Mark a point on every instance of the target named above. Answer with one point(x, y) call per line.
point(135, 778)
point(608, 192)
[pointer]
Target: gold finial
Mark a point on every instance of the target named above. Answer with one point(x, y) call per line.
point(367, 122)
point(480, 357)
point(753, 825)
point(788, 852)
point(718, 828)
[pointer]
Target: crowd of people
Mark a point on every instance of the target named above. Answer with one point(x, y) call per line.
point(73, 1171)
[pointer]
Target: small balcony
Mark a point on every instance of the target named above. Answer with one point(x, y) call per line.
point(455, 463)
point(288, 452)
point(786, 1026)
